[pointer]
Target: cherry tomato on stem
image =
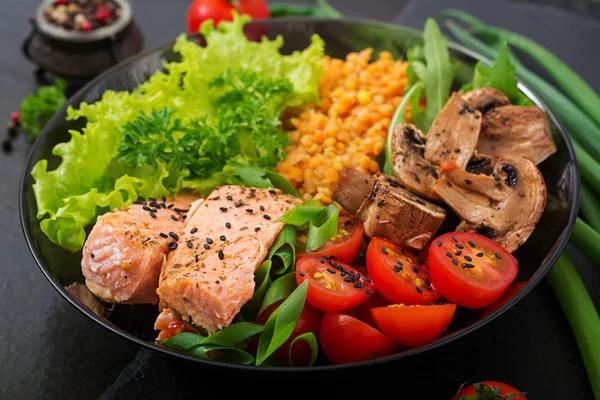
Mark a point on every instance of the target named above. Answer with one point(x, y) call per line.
point(399, 274)
point(221, 10)
point(489, 390)
point(333, 285)
point(469, 269)
point(344, 245)
point(413, 325)
point(345, 339)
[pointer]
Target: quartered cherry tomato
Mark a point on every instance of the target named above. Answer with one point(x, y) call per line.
point(333, 285)
point(413, 325)
point(345, 339)
point(399, 274)
point(344, 245)
point(469, 269)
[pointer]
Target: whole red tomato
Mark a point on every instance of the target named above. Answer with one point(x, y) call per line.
point(489, 390)
point(221, 10)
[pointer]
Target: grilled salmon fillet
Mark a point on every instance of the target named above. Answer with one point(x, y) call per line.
point(210, 276)
point(124, 252)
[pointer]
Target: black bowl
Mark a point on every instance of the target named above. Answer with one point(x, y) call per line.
point(135, 323)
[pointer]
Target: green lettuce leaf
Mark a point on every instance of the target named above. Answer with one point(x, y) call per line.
point(92, 179)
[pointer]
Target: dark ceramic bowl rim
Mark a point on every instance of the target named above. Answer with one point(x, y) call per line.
point(535, 279)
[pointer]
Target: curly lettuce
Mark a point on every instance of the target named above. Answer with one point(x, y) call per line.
point(94, 177)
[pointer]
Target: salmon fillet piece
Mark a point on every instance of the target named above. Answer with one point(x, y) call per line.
point(125, 250)
point(210, 276)
point(170, 324)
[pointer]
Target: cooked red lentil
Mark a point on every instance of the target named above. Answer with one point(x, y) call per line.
point(349, 128)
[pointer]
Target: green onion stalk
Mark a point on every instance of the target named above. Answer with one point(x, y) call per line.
point(579, 110)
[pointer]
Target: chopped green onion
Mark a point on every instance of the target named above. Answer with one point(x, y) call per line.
point(279, 290)
point(309, 338)
point(279, 182)
point(259, 178)
point(581, 314)
point(589, 206)
point(586, 239)
point(284, 248)
point(250, 310)
point(184, 341)
point(235, 335)
point(323, 227)
point(225, 354)
point(281, 323)
point(302, 214)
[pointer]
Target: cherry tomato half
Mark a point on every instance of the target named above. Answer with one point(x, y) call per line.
point(345, 245)
point(469, 269)
point(345, 339)
point(487, 390)
point(333, 285)
point(309, 321)
point(413, 325)
point(399, 274)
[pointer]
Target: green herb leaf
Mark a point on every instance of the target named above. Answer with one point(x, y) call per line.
point(323, 227)
point(437, 73)
point(235, 335)
point(281, 323)
point(184, 341)
point(280, 289)
point(37, 108)
point(222, 353)
point(261, 283)
point(284, 248)
point(260, 178)
point(309, 338)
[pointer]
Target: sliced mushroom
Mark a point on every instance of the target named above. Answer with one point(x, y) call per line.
point(410, 166)
point(454, 133)
point(516, 131)
point(480, 164)
point(486, 98)
point(505, 206)
point(388, 209)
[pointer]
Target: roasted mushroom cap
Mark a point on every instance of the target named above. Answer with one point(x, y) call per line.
point(486, 98)
point(408, 160)
point(454, 133)
point(480, 164)
point(505, 207)
point(516, 131)
point(387, 209)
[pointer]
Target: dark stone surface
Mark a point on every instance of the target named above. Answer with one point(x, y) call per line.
point(50, 351)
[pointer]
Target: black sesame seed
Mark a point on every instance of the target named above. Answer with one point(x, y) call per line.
point(498, 256)
point(216, 198)
point(419, 261)
point(419, 289)
point(458, 253)
point(454, 261)
point(348, 222)
point(459, 246)
point(367, 279)
point(402, 250)
point(227, 225)
point(238, 204)
point(184, 217)
point(333, 257)
point(471, 243)
point(399, 263)
point(164, 235)
point(190, 245)
point(206, 246)
point(468, 258)
point(479, 254)
point(194, 230)
point(266, 216)
point(367, 291)
point(352, 222)
point(146, 208)
point(197, 258)
point(223, 208)
point(327, 258)
point(173, 246)
point(468, 182)
point(384, 251)
point(497, 177)
point(439, 243)
point(229, 197)
point(300, 273)
point(398, 268)
point(153, 215)
point(221, 255)
point(153, 210)
point(223, 238)
point(416, 270)
point(261, 208)
point(264, 176)
point(257, 229)
point(174, 235)
point(380, 203)
point(331, 270)
point(359, 285)
point(249, 210)
point(349, 279)
point(454, 239)
point(174, 218)
point(209, 240)
point(273, 191)
point(449, 254)
point(427, 283)
point(394, 184)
